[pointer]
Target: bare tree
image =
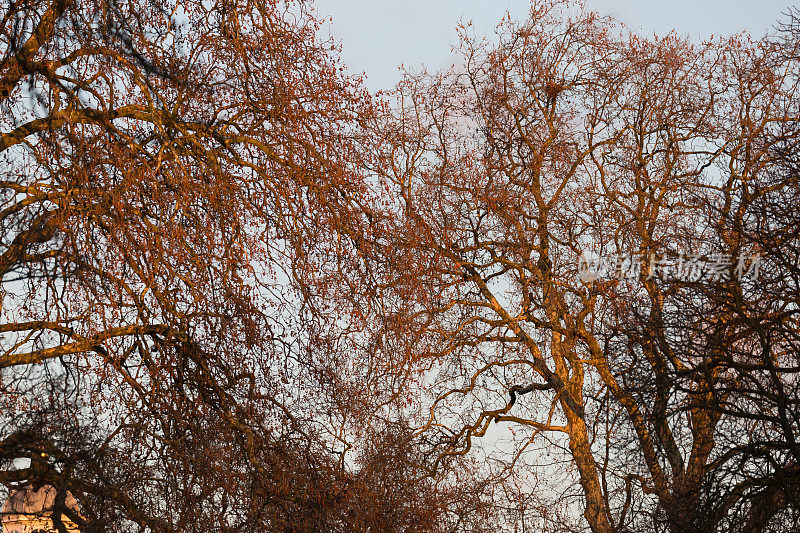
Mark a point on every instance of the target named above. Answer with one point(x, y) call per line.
point(573, 136)
point(166, 167)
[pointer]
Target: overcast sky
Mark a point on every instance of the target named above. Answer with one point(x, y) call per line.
point(378, 35)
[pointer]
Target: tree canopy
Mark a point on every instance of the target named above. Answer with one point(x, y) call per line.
point(552, 288)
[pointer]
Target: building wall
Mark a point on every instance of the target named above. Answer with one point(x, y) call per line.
point(23, 524)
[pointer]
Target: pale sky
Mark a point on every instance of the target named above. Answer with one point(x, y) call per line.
point(378, 35)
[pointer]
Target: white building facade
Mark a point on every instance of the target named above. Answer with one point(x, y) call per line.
point(29, 511)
